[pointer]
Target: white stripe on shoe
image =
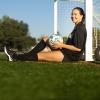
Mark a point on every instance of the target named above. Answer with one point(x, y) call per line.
point(5, 50)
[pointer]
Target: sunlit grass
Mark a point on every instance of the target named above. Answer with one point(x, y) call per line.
point(48, 81)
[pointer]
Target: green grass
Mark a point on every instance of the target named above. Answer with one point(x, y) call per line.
point(48, 81)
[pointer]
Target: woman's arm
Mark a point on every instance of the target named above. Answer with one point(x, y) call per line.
point(70, 47)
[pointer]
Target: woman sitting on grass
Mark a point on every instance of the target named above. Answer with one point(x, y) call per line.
point(72, 50)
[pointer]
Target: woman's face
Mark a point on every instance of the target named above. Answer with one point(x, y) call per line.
point(76, 17)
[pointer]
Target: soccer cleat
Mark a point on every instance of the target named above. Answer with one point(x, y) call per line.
point(8, 53)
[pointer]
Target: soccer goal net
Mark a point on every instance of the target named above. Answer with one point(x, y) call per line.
point(64, 25)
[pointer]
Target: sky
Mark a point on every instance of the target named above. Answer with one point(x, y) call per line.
point(38, 14)
point(96, 13)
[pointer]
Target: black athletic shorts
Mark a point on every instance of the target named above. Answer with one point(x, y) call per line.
point(66, 56)
point(69, 56)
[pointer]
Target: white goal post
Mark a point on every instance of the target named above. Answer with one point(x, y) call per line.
point(55, 16)
point(89, 26)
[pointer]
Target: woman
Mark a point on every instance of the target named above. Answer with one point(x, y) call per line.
point(72, 50)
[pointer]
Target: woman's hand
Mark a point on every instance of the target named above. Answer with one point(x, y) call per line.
point(57, 45)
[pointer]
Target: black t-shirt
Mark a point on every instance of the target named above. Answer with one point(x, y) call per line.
point(77, 38)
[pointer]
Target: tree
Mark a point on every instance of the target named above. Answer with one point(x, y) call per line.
point(14, 33)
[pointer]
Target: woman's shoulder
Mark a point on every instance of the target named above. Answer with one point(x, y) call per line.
point(81, 26)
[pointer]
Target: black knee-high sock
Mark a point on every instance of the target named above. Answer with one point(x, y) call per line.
point(26, 57)
point(39, 47)
point(32, 55)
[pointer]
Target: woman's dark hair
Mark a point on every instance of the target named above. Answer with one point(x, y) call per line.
point(81, 12)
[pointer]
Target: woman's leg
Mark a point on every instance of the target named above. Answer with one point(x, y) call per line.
point(31, 55)
point(55, 56)
point(25, 57)
point(39, 47)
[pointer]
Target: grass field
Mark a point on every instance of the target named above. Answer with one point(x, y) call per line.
point(48, 81)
